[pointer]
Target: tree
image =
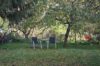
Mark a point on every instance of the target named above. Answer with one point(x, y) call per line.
point(18, 12)
point(35, 20)
point(72, 11)
point(67, 13)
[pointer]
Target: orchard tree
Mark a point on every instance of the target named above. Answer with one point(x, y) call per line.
point(40, 10)
point(66, 12)
point(70, 12)
point(23, 13)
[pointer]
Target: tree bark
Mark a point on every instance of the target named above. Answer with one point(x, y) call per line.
point(26, 36)
point(75, 37)
point(66, 35)
point(80, 36)
point(26, 33)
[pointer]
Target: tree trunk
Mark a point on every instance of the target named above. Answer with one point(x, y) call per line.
point(26, 36)
point(80, 36)
point(26, 33)
point(75, 38)
point(66, 36)
point(69, 25)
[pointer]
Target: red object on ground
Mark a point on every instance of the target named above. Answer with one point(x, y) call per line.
point(87, 37)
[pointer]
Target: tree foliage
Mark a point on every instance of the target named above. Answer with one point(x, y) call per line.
point(47, 13)
point(16, 10)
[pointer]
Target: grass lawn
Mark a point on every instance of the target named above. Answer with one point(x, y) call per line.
point(20, 54)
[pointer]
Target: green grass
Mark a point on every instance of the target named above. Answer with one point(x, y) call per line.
point(20, 54)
